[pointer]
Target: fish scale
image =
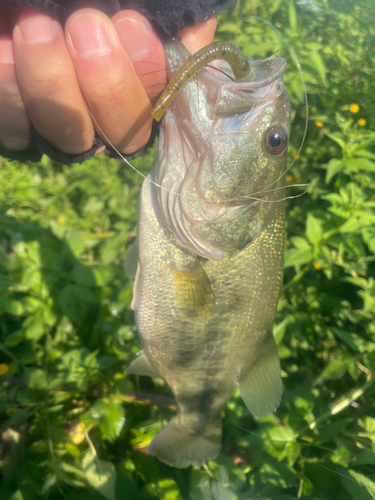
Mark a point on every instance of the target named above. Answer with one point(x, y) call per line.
point(210, 259)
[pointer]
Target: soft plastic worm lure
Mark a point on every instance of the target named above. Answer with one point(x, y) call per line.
point(217, 50)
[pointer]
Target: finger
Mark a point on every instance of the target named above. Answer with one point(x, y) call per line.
point(48, 84)
point(108, 80)
point(14, 120)
point(144, 49)
point(196, 37)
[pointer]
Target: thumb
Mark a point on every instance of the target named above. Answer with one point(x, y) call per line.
point(198, 36)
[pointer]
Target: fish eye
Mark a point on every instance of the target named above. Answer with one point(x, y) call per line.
point(276, 140)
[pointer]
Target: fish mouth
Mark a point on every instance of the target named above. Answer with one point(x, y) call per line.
point(263, 72)
point(224, 96)
point(239, 97)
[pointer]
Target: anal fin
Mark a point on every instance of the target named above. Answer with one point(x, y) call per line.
point(141, 366)
point(261, 385)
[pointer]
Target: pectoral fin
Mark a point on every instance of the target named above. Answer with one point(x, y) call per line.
point(131, 261)
point(261, 385)
point(193, 291)
point(141, 366)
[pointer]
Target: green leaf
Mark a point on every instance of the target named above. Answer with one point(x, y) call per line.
point(333, 167)
point(70, 304)
point(33, 251)
point(346, 337)
point(112, 248)
point(111, 417)
point(13, 307)
point(292, 16)
point(313, 229)
point(358, 485)
point(350, 226)
point(83, 293)
point(338, 138)
point(368, 423)
point(319, 65)
point(341, 456)
point(279, 434)
point(276, 474)
point(334, 370)
point(4, 285)
point(57, 229)
point(50, 481)
point(34, 326)
point(296, 256)
point(353, 165)
point(103, 275)
point(93, 205)
point(14, 338)
point(365, 458)
point(330, 431)
point(100, 474)
point(73, 450)
point(75, 242)
point(35, 378)
point(83, 275)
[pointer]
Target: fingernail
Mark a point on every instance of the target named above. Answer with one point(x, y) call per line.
point(89, 36)
point(6, 51)
point(38, 28)
point(134, 37)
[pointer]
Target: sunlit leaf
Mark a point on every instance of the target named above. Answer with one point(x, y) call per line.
point(100, 474)
point(35, 378)
point(111, 417)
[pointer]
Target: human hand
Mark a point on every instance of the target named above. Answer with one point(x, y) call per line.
point(47, 76)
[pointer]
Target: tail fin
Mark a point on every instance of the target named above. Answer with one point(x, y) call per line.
point(180, 447)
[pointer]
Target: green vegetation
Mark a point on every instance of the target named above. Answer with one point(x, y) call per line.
point(73, 425)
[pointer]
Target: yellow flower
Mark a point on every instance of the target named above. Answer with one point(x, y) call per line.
point(289, 178)
point(277, 24)
point(354, 108)
point(317, 266)
point(61, 220)
point(319, 124)
point(4, 368)
point(295, 156)
point(362, 122)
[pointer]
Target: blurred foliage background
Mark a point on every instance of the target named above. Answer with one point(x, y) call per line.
point(73, 425)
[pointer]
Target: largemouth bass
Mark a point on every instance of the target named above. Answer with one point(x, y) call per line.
point(210, 253)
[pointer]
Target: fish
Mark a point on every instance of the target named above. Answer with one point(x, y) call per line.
point(208, 262)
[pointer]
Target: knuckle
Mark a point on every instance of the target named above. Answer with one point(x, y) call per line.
point(53, 79)
point(111, 90)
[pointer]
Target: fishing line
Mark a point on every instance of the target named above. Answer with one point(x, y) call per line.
point(251, 197)
point(146, 178)
point(273, 201)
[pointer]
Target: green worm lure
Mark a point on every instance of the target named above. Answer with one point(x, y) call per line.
point(218, 50)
